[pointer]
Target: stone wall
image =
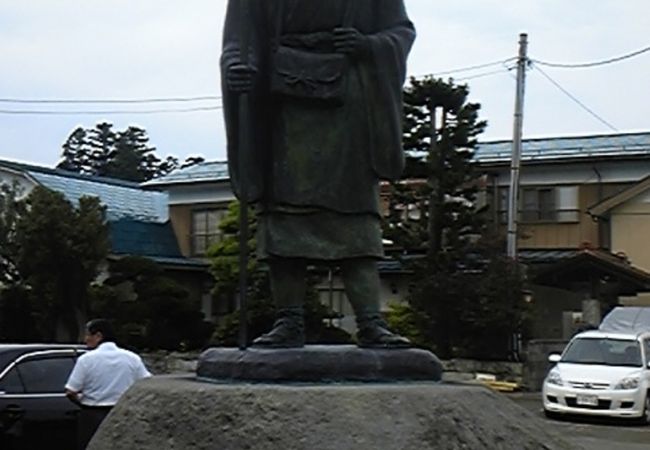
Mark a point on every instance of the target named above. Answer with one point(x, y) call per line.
point(163, 363)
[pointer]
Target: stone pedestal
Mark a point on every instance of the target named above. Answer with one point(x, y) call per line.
point(175, 413)
point(318, 363)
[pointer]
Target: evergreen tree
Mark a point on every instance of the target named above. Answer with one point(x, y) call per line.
point(132, 158)
point(125, 155)
point(10, 211)
point(101, 141)
point(76, 156)
point(150, 309)
point(433, 214)
point(59, 250)
point(440, 131)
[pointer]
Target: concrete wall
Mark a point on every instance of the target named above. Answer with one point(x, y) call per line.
point(536, 365)
point(549, 308)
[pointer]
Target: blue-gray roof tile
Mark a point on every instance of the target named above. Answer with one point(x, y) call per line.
point(122, 200)
point(563, 148)
point(209, 171)
point(133, 237)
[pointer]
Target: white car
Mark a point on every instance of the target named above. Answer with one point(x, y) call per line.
point(601, 373)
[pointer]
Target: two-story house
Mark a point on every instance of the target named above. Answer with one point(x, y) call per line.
point(584, 206)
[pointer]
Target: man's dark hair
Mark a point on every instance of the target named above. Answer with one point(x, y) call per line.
point(102, 326)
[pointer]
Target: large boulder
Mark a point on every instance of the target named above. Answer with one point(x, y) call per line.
point(176, 413)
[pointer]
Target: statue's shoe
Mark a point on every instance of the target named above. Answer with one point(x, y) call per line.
point(374, 335)
point(286, 333)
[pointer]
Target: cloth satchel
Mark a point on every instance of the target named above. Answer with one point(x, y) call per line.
point(308, 75)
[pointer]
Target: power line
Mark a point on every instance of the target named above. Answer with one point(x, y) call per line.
point(568, 94)
point(110, 101)
point(107, 112)
point(484, 74)
point(596, 63)
point(469, 68)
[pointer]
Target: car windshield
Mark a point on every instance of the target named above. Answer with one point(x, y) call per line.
point(609, 352)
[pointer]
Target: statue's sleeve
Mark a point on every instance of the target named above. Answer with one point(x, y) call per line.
point(252, 172)
point(385, 76)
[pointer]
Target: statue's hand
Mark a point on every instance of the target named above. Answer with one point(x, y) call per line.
point(240, 78)
point(350, 41)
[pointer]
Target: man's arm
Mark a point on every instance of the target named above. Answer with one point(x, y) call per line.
point(73, 396)
point(74, 385)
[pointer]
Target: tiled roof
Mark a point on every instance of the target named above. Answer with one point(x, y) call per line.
point(563, 148)
point(123, 199)
point(209, 171)
point(133, 237)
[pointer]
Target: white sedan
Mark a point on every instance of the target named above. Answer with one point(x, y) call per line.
point(601, 374)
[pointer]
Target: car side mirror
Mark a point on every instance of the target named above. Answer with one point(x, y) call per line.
point(554, 357)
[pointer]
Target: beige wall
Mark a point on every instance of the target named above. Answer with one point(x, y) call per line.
point(565, 235)
point(181, 218)
point(630, 224)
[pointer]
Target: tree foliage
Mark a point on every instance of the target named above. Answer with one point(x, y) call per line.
point(10, 210)
point(126, 154)
point(456, 304)
point(150, 309)
point(56, 249)
point(224, 257)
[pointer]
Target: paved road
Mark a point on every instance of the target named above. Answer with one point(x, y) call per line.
point(592, 435)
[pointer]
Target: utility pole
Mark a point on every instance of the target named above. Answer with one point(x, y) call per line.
point(515, 162)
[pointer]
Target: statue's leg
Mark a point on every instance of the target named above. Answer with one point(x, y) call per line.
point(288, 287)
point(361, 279)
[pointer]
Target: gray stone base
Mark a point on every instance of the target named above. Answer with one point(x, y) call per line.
point(167, 413)
point(316, 363)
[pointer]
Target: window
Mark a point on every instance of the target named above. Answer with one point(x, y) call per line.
point(205, 229)
point(537, 205)
point(11, 384)
point(558, 204)
point(604, 351)
point(45, 375)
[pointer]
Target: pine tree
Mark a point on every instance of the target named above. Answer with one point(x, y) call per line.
point(125, 155)
point(433, 216)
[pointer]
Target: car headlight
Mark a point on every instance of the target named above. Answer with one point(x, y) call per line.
point(628, 383)
point(554, 378)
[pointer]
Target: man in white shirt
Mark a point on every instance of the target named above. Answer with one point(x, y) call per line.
point(100, 377)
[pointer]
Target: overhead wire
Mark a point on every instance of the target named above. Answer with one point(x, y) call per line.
point(481, 75)
point(107, 112)
point(468, 68)
point(111, 101)
point(595, 63)
point(572, 97)
point(502, 62)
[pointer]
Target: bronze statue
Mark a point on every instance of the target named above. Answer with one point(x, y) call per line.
point(325, 82)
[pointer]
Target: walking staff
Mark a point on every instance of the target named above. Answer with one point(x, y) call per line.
point(244, 142)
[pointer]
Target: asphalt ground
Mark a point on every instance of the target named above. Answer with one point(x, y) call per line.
point(588, 433)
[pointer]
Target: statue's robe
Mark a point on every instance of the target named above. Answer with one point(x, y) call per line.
point(314, 170)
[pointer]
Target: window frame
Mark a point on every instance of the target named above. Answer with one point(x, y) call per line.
point(547, 210)
point(73, 353)
point(208, 236)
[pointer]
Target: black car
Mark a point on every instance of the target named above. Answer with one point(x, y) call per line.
point(34, 411)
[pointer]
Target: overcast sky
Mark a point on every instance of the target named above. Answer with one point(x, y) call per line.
point(143, 49)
